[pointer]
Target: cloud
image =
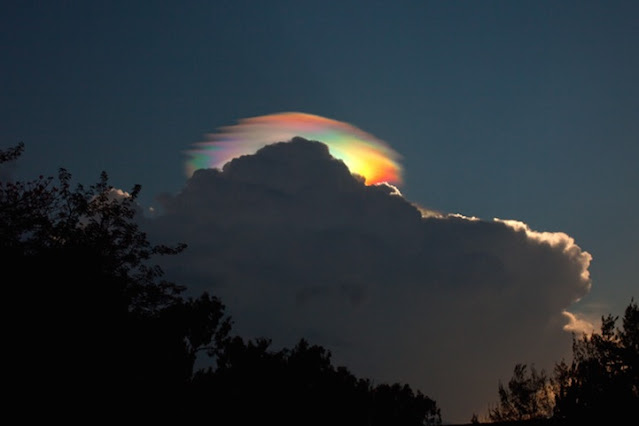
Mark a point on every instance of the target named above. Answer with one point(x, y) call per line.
point(364, 153)
point(578, 324)
point(297, 246)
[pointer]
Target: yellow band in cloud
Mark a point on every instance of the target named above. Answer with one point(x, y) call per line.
point(363, 153)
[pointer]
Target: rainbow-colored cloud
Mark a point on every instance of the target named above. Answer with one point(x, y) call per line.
point(362, 153)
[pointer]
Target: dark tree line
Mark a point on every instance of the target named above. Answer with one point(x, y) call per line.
point(304, 379)
point(599, 386)
point(93, 331)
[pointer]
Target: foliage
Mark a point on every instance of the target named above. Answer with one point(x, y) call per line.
point(301, 386)
point(601, 383)
point(94, 312)
point(527, 397)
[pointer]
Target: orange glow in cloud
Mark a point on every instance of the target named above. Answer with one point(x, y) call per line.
point(363, 153)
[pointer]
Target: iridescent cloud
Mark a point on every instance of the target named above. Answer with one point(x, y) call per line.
point(363, 153)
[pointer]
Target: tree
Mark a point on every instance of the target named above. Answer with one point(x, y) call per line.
point(601, 383)
point(94, 322)
point(254, 384)
point(527, 397)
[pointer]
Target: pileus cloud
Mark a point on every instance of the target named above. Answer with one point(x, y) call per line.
point(296, 246)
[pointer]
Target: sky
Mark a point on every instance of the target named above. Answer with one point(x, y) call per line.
point(521, 111)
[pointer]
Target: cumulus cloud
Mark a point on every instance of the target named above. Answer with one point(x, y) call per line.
point(296, 246)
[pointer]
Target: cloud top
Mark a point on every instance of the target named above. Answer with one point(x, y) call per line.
point(365, 155)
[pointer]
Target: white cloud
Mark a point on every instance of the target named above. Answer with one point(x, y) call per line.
point(578, 324)
point(298, 247)
point(118, 194)
point(556, 239)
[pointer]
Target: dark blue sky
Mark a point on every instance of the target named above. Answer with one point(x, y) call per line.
point(523, 110)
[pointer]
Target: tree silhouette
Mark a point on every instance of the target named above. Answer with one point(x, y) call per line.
point(527, 397)
point(601, 383)
point(254, 384)
point(95, 323)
